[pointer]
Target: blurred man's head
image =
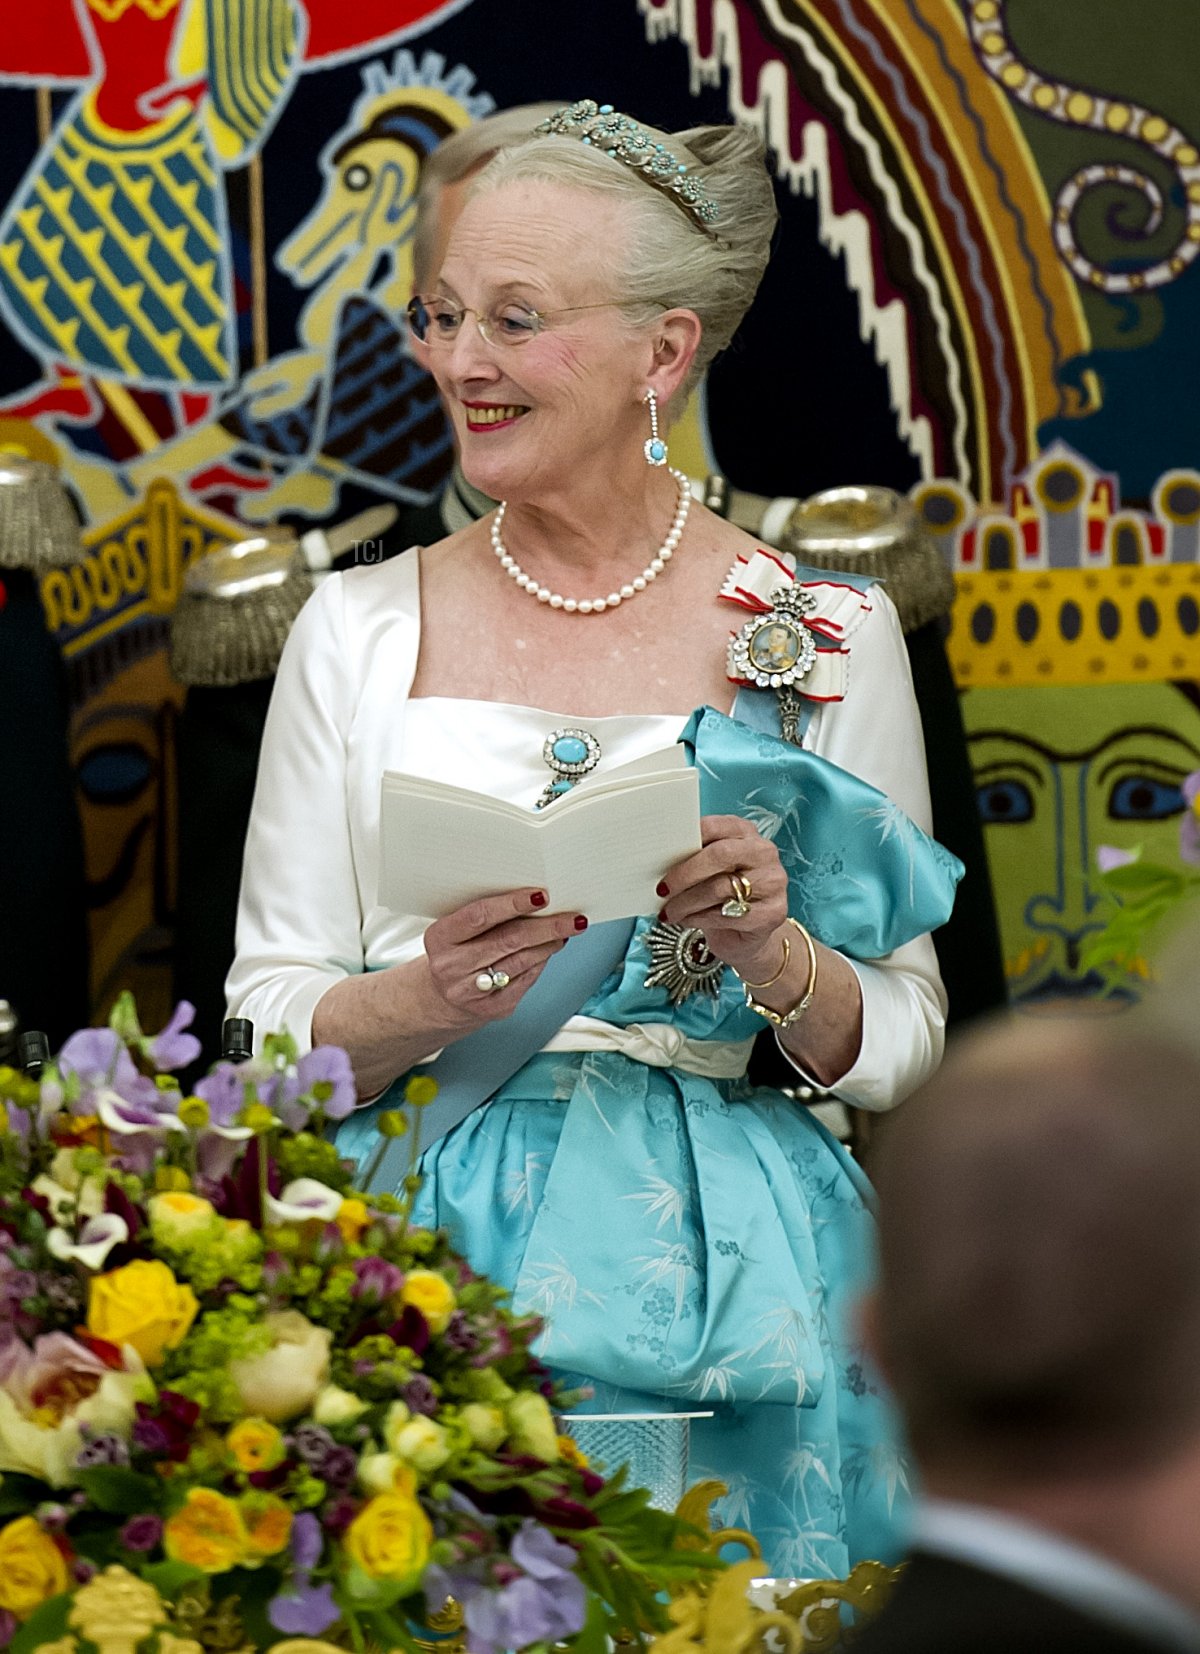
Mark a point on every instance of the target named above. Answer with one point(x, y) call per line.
point(447, 174)
point(1039, 1305)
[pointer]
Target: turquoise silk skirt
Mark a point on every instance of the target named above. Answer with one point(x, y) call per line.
point(696, 1243)
point(692, 1244)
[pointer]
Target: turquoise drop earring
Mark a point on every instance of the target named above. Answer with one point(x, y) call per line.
point(654, 448)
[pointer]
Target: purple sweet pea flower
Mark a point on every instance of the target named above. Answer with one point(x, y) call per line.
point(328, 1066)
point(439, 1584)
point(1189, 827)
point(304, 1610)
point(99, 1058)
point(306, 1542)
point(172, 1048)
point(224, 1091)
point(539, 1553)
point(526, 1611)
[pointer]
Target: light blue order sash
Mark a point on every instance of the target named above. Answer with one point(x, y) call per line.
point(475, 1067)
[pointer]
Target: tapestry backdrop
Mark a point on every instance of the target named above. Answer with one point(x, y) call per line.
point(990, 227)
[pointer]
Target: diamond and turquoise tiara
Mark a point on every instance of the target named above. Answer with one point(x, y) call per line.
point(617, 135)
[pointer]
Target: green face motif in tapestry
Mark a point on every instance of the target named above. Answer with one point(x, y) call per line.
point(1059, 772)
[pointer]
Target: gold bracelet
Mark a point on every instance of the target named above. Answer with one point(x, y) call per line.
point(787, 954)
point(785, 1019)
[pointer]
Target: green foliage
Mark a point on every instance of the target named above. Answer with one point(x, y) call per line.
point(121, 1492)
point(1147, 901)
point(46, 1625)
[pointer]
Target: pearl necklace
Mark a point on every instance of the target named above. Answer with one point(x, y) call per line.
point(596, 605)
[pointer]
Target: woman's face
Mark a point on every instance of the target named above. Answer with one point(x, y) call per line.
point(529, 417)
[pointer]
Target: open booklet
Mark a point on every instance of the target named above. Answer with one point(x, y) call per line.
point(600, 849)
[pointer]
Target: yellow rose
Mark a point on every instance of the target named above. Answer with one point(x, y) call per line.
point(142, 1305)
point(352, 1218)
point(432, 1294)
point(207, 1532)
point(180, 1219)
point(389, 1539)
point(32, 1569)
point(568, 1452)
point(285, 1380)
point(255, 1445)
point(531, 1427)
point(268, 1523)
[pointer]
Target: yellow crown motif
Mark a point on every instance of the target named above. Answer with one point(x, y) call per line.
point(1066, 585)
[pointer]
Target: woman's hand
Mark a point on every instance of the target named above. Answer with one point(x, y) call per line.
point(511, 934)
point(695, 890)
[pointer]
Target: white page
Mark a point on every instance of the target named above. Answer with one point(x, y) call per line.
point(614, 837)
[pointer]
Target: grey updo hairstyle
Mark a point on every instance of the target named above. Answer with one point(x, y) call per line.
point(670, 259)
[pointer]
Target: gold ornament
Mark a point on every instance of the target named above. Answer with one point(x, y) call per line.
point(117, 1611)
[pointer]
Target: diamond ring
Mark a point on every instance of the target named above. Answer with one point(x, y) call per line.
point(738, 904)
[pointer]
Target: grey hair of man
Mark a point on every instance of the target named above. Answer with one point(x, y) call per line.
point(668, 259)
point(456, 158)
point(1038, 1312)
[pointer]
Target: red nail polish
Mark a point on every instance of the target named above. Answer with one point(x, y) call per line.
point(662, 888)
point(662, 915)
point(538, 899)
point(580, 922)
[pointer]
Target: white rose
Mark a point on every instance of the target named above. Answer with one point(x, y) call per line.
point(377, 1472)
point(285, 1381)
point(397, 1417)
point(485, 1425)
point(31, 1443)
point(531, 1426)
point(336, 1406)
point(422, 1444)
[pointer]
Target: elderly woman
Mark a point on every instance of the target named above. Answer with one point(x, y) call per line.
point(691, 1241)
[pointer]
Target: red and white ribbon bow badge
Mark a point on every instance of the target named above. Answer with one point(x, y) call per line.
point(797, 633)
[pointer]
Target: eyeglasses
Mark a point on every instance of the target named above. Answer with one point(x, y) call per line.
point(437, 321)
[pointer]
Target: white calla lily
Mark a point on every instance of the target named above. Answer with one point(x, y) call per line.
point(304, 1200)
point(110, 1106)
point(96, 1240)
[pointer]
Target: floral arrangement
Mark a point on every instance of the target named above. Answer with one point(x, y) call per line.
point(229, 1376)
point(1146, 896)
